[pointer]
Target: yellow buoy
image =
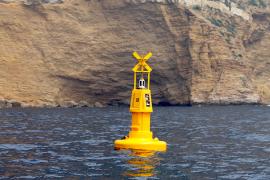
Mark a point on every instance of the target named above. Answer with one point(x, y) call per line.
point(140, 136)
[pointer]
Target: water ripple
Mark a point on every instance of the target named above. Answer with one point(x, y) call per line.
point(207, 142)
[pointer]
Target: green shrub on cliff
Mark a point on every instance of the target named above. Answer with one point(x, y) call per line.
point(253, 2)
point(258, 3)
point(231, 28)
point(216, 22)
point(197, 7)
point(262, 3)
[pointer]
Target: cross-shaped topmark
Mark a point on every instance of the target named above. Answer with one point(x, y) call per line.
point(142, 66)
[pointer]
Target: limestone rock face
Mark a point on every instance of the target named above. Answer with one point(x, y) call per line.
point(78, 53)
point(257, 47)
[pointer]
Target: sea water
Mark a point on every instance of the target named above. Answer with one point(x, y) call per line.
point(207, 142)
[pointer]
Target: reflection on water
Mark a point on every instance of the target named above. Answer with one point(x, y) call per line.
point(208, 142)
point(142, 163)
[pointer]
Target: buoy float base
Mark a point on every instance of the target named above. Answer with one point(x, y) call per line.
point(140, 144)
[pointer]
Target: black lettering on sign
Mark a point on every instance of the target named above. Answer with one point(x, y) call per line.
point(147, 100)
point(137, 99)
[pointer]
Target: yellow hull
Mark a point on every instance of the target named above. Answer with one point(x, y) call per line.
point(141, 144)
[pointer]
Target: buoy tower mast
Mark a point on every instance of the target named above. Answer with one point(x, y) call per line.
point(140, 136)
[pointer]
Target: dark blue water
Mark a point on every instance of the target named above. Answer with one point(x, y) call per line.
point(211, 142)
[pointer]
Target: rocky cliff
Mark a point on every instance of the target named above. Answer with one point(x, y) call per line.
point(79, 53)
